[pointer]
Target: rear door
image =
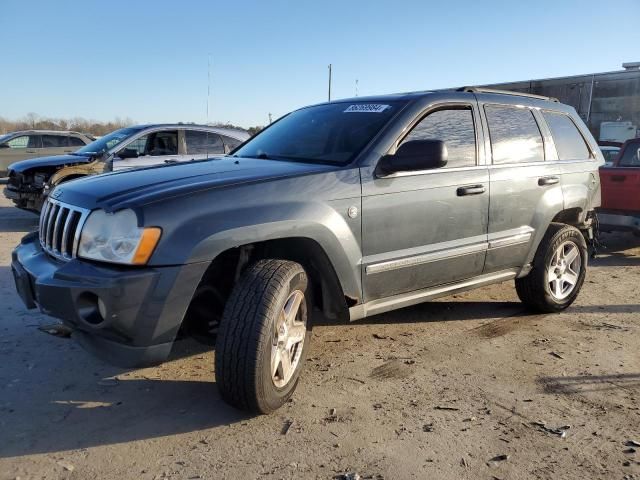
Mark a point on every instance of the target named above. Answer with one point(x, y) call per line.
point(621, 184)
point(55, 144)
point(428, 228)
point(522, 182)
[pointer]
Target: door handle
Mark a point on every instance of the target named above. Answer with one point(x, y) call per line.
point(542, 181)
point(470, 190)
point(618, 178)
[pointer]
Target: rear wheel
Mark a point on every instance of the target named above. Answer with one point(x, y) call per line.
point(558, 272)
point(264, 336)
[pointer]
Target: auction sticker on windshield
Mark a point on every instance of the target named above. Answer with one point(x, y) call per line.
point(366, 108)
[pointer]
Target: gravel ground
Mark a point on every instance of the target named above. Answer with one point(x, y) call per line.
point(471, 386)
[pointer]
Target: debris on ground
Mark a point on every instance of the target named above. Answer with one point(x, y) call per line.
point(560, 431)
point(445, 407)
point(500, 458)
point(557, 355)
point(632, 443)
point(56, 329)
point(286, 427)
point(67, 466)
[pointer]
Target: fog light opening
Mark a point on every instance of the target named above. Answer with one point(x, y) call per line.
point(91, 308)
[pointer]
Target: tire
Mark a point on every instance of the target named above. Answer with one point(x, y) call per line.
point(251, 337)
point(548, 287)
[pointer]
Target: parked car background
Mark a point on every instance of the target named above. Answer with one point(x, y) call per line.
point(610, 154)
point(131, 147)
point(25, 144)
point(621, 191)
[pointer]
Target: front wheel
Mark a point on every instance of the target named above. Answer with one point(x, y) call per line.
point(558, 272)
point(264, 336)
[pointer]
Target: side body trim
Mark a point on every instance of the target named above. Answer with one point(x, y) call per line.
point(375, 307)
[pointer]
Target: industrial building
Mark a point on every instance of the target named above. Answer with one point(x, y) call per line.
point(608, 102)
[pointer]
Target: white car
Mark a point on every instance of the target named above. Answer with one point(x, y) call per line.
point(130, 147)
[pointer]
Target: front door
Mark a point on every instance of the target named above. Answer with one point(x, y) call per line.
point(155, 148)
point(428, 228)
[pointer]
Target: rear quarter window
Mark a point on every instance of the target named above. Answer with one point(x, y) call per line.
point(569, 142)
point(631, 155)
point(514, 133)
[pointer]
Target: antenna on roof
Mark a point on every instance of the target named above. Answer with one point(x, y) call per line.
point(208, 84)
point(329, 82)
point(356, 87)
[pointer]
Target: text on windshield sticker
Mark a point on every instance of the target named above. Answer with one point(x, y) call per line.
point(366, 108)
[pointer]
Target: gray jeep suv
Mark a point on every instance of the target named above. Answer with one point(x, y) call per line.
point(347, 209)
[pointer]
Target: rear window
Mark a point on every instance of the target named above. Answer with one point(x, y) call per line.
point(203, 143)
point(631, 155)
point(231, 143)
point(569, 142)
point(53, 141)
point(515, 136)
point(76, 142)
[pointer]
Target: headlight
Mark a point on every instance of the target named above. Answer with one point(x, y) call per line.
point(116, 238)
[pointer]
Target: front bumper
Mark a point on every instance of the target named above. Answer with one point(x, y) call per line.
point(127, 316)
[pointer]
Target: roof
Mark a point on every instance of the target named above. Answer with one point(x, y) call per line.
point(424, 93)
point(45, 132)
point(240, 134)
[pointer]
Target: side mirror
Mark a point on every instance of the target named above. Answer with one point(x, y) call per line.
point(415, 155)
point(128, 153)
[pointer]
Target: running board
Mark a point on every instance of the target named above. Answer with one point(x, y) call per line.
point(387, 304)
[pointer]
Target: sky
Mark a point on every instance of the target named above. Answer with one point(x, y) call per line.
point(148, 60)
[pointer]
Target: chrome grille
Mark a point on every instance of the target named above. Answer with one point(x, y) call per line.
point(60, 227)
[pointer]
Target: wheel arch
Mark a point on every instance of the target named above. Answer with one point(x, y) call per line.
point(329, 296)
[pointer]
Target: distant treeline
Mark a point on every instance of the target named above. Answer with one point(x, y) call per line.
point(33, 121)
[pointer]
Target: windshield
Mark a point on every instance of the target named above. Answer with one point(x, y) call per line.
point(333, 133)
point(5, 137)
point(106, 143)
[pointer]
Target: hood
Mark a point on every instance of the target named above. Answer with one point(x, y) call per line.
point(54, 161)
point(124, 189)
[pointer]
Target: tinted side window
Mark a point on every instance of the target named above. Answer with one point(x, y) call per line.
point(76, 142)
point(515, 136)
point(569, 143)
point(455, 128)
point(231, 143)
point(163, 143)
point(53, 141)
point(203, 143)
point(630, 156)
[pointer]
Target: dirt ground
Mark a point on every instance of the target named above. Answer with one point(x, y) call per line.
point(468, 387)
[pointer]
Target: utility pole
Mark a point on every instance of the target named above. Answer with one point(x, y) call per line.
point(270, 120)
point(356, 87)
point(329, 82)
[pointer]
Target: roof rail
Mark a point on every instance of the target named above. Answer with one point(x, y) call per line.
point(505, 92)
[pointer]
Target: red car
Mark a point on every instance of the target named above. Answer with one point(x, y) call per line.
point(620, 185)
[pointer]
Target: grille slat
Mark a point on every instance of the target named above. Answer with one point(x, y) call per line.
point(50, 225)
point(60, 227)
